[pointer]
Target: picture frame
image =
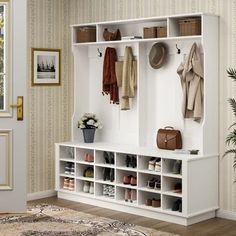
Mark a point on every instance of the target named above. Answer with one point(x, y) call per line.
point(46, 67)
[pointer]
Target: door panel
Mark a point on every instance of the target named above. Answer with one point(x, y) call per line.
point(13, 132)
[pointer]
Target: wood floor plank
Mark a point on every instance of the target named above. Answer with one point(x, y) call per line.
point(212, 227)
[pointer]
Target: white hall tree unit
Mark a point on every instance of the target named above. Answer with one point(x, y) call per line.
point(157, 104)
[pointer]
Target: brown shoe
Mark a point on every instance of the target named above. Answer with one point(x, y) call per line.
point(127, 179)
point(148, 202)
point(156, 202)
point(133, 181)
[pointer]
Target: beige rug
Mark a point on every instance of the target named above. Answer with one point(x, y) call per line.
point(49, 220)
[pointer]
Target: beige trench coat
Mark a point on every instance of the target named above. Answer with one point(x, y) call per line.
point(191, 76)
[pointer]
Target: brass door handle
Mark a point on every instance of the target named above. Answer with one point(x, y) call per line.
point(19, 107)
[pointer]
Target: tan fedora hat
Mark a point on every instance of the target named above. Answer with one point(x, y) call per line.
point(157, 55)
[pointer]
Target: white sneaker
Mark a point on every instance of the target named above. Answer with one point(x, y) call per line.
point(91, 188)
point(158, 166)
point(86, 187)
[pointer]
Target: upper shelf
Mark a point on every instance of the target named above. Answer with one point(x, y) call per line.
point(175, 27)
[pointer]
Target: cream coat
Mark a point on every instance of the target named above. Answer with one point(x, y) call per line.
point(191, 76)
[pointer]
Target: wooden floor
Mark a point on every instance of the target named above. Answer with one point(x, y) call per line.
point(216, 226)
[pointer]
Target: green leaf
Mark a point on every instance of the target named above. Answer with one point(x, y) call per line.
point(231, 138)
point(232, 103)
point(232, 73)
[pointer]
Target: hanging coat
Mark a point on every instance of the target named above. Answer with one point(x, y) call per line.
point(191, 76)
point(126, 73)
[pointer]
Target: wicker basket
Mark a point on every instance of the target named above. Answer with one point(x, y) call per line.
point(149, 32)
point(161, 32)
point(190, 26)
point(86, 34)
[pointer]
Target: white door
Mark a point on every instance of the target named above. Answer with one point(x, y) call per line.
point(13, 79)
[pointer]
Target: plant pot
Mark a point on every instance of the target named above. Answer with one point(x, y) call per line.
point(88, 135)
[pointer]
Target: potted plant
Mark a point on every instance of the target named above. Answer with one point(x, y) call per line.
point(231, 138)
point(89, 123)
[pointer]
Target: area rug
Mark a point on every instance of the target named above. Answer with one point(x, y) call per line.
point(50, 220)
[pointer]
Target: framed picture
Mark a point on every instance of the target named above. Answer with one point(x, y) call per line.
point(46, 66)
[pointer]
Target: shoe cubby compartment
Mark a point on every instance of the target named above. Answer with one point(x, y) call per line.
point(172, 167)
point(126, 195)
point(105, 175)
point(150, 200)
point(105, 191)
point(171, 203)
point(123, 178)
point(150, 164)
point(67, 153)
point(81, 171)
point(104, 158)
point(64, 186)
point(172, 186)
point(82, 154)
point(126, 161)
point(85, 187)
point(65, 168)
point(148, 182)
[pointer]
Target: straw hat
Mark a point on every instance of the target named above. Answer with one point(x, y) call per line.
point(157, 55)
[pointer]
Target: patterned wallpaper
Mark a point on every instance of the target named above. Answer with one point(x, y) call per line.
point(51, 108)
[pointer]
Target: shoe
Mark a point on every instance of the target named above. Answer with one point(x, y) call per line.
point(88, 172)
point(133, 195)
point(133, 162)
point(71, 184)
point(86, 186)
point(105, 190)
point(151, 163)
point(72, 169)
point(128, 161)
point(106, 174)
point(148, 202)
point(133, 181)
point(111, 191)
point(66, 183)
point(157, 185)
point(68, 168)
point(109, 157)
point(158, 165)
point(176, 206)
point(127, 179)
point(178, 188)
point(91, 188)
point(156, 202)
point(176, 167)
point(112, 174)
point(127, 194)
point(106, 157)
point(151, 183)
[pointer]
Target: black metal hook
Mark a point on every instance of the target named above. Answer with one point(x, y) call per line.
point(178, 49)
point(99, 52)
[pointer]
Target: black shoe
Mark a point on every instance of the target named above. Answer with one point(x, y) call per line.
point(111, 158)
point(112, 175)
point(128, 161)
point(106, 157)
point(176, 205)
point(106, 174)
point(133, 162)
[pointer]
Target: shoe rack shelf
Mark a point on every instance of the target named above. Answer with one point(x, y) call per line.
point(150, 184)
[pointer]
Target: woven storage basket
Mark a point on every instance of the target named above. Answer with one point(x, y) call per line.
point(190, 26)
point(86, 34)
point(161, 32)
point(149, 32)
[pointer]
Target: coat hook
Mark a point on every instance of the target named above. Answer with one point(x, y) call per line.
point(178, 50)
point(99, 52)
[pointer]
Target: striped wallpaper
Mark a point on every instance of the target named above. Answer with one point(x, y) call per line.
point(51, 107)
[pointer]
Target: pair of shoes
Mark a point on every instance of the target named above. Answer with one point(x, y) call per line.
point(153, 202)
point(177, 206)
point(108, 191)
point(154, 164)
point(154, 183)
point(69, 184)
point(88, 172)
point(88, 157)
point(178, 188)
point(109, 157)
point(108, 174)
point(177, 167)
point(129, 179)
point(69, 168)
point(88, 187)
point(130, 195)
point(131, 161)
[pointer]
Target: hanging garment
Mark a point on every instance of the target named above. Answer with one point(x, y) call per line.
point(126, 73)
point(191, 76)
point(109, 76)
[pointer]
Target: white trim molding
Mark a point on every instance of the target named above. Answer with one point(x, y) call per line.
point(40, 195)
point(230, 215)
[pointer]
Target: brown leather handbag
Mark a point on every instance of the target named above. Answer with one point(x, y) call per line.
point(169, 138)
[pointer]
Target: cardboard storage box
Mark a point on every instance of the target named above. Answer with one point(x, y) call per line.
point(86, 34)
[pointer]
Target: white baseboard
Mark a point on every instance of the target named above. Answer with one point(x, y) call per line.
point(230, 215)
point(39, 195)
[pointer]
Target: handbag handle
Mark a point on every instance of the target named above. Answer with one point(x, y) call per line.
point(168, 127)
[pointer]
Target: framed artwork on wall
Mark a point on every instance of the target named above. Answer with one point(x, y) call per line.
point(46, 66)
